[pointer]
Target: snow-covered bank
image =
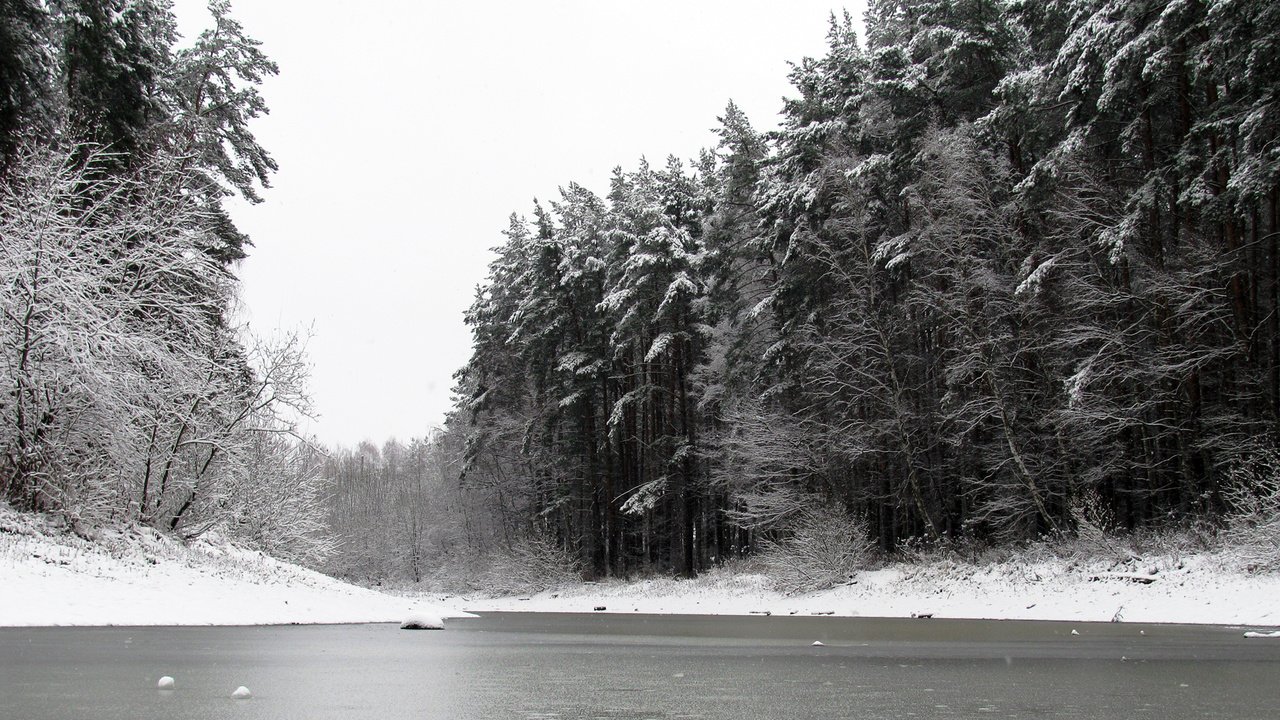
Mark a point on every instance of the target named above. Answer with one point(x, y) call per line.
point(139, 577)
point(1184, 589)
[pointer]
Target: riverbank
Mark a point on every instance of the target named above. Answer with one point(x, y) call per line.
point(50, 577)
point(1204, 588)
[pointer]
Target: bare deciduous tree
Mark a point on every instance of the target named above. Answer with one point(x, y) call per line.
point(126, 395)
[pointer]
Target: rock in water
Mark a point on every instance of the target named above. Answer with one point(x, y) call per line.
point(166, 683)
point(242, 693)
point(422, 621)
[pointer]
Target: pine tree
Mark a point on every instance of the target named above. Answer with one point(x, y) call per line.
point(115, 54)
point(211, 90)
point(26, 75)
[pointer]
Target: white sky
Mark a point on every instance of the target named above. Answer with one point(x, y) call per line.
point(407, 131)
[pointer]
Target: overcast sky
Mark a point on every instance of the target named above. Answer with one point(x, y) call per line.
point(407, 131)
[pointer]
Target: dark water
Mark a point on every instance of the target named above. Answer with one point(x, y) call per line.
point(564, 667)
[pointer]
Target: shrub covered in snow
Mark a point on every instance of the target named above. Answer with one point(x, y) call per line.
point(824, 548)
point(1097, 533)
point(1253, 523)
point(531, 564)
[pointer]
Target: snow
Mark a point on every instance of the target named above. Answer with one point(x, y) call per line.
point(422, 621)
point(139, 577)
point(1254, 634)
point(1031, 285)
point(165, 683)
point(1177, 588)
point(241, 693)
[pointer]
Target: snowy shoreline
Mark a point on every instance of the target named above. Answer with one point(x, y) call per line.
point(1183, 589)
point(139, 577)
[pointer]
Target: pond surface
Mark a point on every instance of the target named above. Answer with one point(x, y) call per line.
point(564, 667)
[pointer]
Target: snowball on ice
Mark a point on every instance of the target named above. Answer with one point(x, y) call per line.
point(422, 621)
point(165, 683)
point(241, 693)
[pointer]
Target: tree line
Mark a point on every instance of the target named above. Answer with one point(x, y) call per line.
point(129, 392)
point(1002, 260)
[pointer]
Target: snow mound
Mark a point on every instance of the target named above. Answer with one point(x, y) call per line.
point(422, 621)
point(165, 683)
point(241, 693)
point(1254, 634)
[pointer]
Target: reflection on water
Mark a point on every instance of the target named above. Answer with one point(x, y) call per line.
point(569, 667)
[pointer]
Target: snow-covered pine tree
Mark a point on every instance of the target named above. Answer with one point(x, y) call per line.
point(26, 75)
point(114, 56)
point(210, 91)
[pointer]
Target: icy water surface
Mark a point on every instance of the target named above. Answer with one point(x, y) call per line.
point(567, 667)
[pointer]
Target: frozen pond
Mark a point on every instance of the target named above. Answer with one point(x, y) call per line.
point(565, 667)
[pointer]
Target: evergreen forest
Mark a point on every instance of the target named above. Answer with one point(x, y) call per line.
point(1002, 261)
